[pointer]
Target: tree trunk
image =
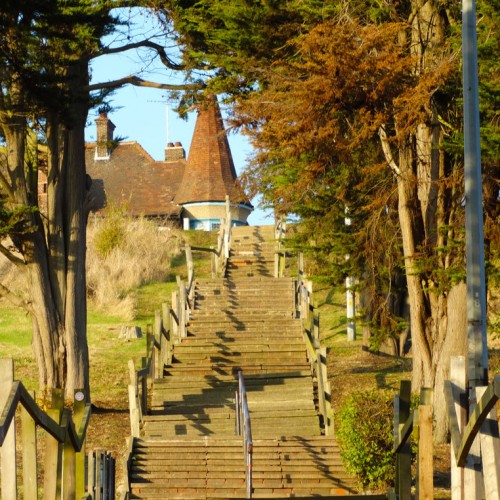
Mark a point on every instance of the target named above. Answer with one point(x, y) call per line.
point(54, 252)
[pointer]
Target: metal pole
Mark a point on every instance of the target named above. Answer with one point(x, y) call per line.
point(474, 248)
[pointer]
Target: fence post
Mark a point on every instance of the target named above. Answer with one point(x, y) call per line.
point(182, 309)
point(133, 401)
point(158, 337)
point(175, 309)
point(68, 462)
point(403, 458)
point(166, 337)
point(423, 425)
point(190, 270)
point(8, 450)
point(53, 451)
point(30, 478)
point(91, 475)
point(78, 412)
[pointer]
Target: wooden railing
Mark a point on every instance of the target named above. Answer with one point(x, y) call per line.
point(419, 425)
point(159, 351)
point(468, 454)
point(280, 253)
point(64, 455)
point(244, 429)
point(316, 354)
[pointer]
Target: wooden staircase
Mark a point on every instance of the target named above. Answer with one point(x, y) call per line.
point(188, 447)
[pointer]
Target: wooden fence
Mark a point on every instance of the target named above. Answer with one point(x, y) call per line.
point(64, 464)
point(316, 354)
point(475, 443)
point(416, 424)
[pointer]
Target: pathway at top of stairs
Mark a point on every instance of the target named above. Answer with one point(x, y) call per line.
point(247, 322)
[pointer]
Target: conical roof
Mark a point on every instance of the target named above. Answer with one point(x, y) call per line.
point(209, 174)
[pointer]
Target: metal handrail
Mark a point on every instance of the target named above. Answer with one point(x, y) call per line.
point(244, 428)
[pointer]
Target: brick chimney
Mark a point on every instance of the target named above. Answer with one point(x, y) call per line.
point(174, 152)
point(105, 129)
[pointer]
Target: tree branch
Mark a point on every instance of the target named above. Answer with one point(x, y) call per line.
point(146, 43)
point(13, 298)
point(5, 184)
point(139, 82)
point(386, 148)
point(12, 258)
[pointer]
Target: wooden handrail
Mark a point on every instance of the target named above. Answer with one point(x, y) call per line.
point(63, 427)
point(305, 307)
point(462, 442)
point(19, 395)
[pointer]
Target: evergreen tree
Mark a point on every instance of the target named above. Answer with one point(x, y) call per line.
point(359, 106)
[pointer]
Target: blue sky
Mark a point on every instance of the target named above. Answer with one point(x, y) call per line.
point(140, 114)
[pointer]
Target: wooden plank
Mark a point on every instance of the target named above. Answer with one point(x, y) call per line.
point(30, 479)
point(490, 452)
point(53, 452)
point(425, 485)
point(8, 449)
point(403, 457)
point(479, 414)
point(68, 464)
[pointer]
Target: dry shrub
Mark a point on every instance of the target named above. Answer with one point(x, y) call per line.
point(124, 253)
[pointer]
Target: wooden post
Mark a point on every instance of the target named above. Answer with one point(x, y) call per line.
point(8, 450)
point(78, 412)
point(144, 389)
point(133, 401)
point(30, 478)
point(276, 261)
point(424, 483)
point(190, 269)
point(69, 464)
point(182, 310)
point(403, 458)
point(490, 452)
point(166, 337)
point(213, 269)
point(150, 347)
point(91, 487)
point(53, 451)
point(158, 335)
point(175, 309)
point(425, 466)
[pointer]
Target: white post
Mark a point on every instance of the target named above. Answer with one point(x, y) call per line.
point(490, 452)
point(350, 297)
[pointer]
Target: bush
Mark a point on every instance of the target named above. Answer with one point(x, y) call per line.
point(124, 253)
point(364, 427)
point(110, 235)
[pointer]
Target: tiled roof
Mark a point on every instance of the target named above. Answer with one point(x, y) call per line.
point(210, 174)
point(133, 180)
